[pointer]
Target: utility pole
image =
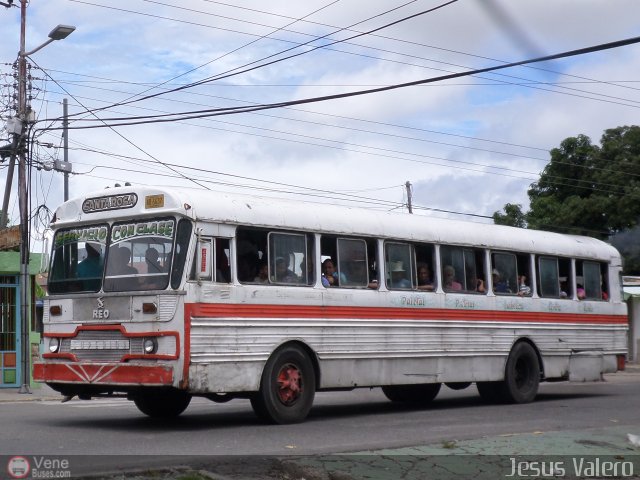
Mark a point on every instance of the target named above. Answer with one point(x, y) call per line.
point(22, 201)
point(65, 166)
point(24, 117)
point(408, 187)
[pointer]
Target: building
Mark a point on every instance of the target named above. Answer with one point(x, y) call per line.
point(11, 321)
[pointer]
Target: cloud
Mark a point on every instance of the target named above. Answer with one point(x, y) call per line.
point(470, 145)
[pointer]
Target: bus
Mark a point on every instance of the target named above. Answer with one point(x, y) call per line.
point(163, 294)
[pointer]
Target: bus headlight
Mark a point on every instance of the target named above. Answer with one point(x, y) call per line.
point(150, 345)
point(54, 345)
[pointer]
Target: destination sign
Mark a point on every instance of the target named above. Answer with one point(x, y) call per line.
point(110, 202)
point(163, 228)
point(87, 234)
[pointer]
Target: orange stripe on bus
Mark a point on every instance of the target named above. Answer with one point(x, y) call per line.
point(221, 310)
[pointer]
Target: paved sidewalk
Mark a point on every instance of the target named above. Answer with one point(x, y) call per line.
point(38, 393)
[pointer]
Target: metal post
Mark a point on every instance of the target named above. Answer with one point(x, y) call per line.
point(23, 203)
point(65, 134)
point(409, 205)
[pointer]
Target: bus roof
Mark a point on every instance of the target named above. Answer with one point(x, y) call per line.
point(249, 210)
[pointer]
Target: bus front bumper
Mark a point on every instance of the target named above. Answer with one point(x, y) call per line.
point(108, 375)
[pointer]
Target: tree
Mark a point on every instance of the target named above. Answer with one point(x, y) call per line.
point(585, 188)
point(512, 216)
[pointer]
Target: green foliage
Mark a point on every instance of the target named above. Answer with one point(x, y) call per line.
point(512, 216)
point(587, 189)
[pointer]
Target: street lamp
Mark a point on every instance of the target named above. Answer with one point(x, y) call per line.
point(20, 143)
point(59, 33)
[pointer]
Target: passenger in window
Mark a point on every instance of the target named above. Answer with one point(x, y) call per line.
point(91, 266)
point(499, 285)
point(151, 258)
point(523, 289)
point(425, 282)
point(329, 274)
point(480, 285)
point(283, 274)
point(263, 273)
point(449, 279)
point(119, 263)
point(581, 294)
point(398, 276)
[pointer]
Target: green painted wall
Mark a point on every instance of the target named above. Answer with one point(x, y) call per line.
point(10, 265)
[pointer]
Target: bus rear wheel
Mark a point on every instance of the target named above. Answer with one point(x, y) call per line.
point(287, 387)
point(162, 404)
point(421, 393)
point(521, 378)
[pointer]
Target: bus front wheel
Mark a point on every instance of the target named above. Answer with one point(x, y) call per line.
point(162, 404)
point(420, 393)
point(287, 387)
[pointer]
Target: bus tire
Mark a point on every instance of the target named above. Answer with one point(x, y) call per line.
point(522, 374)
point(421, 393)
point(521, 378)
point(162, 404)
point(287, 387)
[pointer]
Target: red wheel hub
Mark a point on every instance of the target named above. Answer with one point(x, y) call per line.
point(289, 384)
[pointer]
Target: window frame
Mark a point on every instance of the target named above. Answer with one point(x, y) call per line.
point(411, 270)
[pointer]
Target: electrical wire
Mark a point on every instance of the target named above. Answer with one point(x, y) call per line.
point(234, 110)
point(235, 71)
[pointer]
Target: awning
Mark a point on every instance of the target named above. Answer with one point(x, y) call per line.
point(631, 291)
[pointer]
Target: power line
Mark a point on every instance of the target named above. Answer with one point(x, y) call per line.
point(342, 143)
point(230, 52)
point(396, 53)
point(130, 142)
point(228, 73)
point(233, 110)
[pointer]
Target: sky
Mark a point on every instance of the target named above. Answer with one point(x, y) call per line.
point(467, 145)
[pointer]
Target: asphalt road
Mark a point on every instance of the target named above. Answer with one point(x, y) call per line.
point(340, 422)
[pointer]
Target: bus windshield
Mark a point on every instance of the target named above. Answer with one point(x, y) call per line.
point(139, 255)
point(78, 257)
point(134, 255)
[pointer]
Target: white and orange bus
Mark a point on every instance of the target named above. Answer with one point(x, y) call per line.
point(165, 294)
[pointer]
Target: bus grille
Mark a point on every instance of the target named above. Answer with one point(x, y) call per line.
point(101, 346)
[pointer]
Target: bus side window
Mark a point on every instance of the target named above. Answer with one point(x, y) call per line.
point(504, 273)
point(548, 277)
point(287, 252)
point(425, 267)
point(250, 250)
point(589, 280)
point(353, 264)
point(462, 269)
point(399, 266)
